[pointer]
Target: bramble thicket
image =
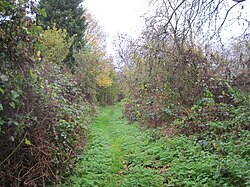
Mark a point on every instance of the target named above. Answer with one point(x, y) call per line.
point(183, 116)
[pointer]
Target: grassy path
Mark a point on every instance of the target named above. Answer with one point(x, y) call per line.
point(123, 155)
point(118, 155)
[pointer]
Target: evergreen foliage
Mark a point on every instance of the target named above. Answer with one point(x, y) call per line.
point(65, 14)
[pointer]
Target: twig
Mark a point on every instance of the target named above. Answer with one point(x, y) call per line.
point(227, 15)
point(174, 11)
point(14, 149)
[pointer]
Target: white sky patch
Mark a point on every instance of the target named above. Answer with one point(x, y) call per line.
point(123, 16)
point(117, 16)
point(234, 26)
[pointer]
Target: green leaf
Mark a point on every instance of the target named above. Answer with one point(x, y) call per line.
point(1, 91)
point(15, 123)
point(33, 75)
point(22, 1)
point(4, 4)
point(27, 141)
point(14, 94)
point(1, 121)
point(4, 78)
point(19, 79)
point(1, 107)
point(43, 12)
point(12, 104)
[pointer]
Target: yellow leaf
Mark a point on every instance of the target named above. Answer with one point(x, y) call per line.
point(38, 54)
point(27, 141)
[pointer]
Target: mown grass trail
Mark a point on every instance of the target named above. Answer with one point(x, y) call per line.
point(118, 155)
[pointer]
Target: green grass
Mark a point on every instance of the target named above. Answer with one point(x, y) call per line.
point(119, 154)
point(116, 155)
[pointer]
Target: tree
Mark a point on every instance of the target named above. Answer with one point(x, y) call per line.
point(55, 46)
point(95, 66)
point(197, 19)
point(69, 15)
point(95, 38)
point(174, 60)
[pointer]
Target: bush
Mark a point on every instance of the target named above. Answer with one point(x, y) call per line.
point(44, 115)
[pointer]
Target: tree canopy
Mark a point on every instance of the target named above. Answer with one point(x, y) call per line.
point(65, 14)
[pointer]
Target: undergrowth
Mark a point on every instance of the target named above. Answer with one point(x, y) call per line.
point(126, 155)
point(116, 155)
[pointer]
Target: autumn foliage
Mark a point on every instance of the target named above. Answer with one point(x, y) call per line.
point(45, 106)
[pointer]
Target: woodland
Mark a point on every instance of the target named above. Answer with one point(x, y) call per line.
point(171, 109)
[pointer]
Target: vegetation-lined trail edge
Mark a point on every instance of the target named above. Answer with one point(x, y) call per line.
point(122, 154)
point(186, 75)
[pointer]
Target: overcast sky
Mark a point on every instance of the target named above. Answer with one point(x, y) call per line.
point(117, 16)
point(123, 16)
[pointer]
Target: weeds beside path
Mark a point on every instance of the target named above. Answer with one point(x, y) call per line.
point(123, 155)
